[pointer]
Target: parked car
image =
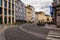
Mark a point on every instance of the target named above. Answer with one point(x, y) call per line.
point(41, 23)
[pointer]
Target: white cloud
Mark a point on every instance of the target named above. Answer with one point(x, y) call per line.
point(38, 3)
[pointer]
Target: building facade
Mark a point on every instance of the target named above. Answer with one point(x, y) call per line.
point(20, 11)
point(40, 17)
point(48, 18)
point(7, 11)
point(56, 5)
point(29, 13)
point(33, 14)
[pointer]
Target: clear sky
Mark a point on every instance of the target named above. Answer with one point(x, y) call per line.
point(37, 3)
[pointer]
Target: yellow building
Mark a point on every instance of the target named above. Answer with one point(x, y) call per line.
point(28, 13)
point(49, 18)
point(40, 16)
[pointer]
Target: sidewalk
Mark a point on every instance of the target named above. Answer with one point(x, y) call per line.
point(52, 27)
point(2, 29)
point(54, 33)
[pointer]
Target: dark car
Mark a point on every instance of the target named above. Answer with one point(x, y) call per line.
point(41, 23)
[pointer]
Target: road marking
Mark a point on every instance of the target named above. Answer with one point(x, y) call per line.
point(53, 35)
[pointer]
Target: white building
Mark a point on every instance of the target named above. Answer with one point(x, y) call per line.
point(20, 10)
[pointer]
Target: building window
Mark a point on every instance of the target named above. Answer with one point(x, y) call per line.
point(47, 19)
point(13, 1)
point(0, 19)
point(5, 11)
point(19, 16)
point(5, 3)
point(0, 10)
point(9, 19)
point(9, 5)
point(0, 2)
point(16, 16)
point(12, 12)
point(9, 0)
point(12, 19)
point(9, 12)
point(58, 14)
point(19, 8)
point(5, 20)
point(12, 6)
